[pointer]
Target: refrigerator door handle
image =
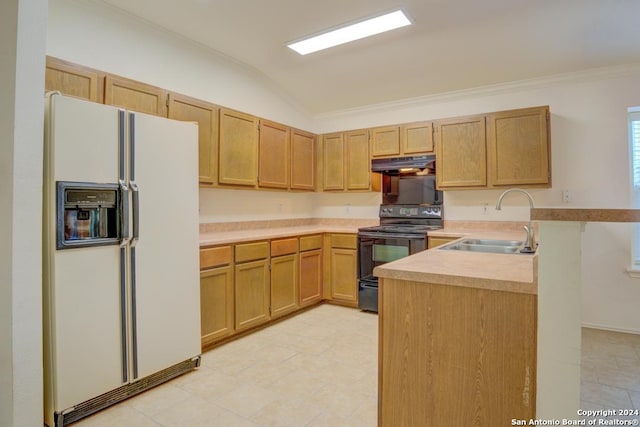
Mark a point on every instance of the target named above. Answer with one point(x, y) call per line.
point(124, 214)
point(123, 314)
point(135, 211)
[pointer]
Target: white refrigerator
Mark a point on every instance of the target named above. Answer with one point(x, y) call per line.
point(120, 253)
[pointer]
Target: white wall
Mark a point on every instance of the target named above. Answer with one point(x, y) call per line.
point(99, 36)
point(588, 125)
point(22, 31)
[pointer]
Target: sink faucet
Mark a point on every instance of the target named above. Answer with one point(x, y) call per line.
point(530, 244)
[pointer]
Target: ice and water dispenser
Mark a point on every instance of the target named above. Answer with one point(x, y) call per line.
point(88, 214)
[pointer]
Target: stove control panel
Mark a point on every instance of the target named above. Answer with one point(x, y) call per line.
point(410, 211)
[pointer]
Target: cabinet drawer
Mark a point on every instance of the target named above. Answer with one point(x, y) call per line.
point(213, 257)
point(346, 241)
point(284, 247)
point(433, 242)
point(308, 243)
point(251, 251)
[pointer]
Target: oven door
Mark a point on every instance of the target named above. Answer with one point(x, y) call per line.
point(377, 248)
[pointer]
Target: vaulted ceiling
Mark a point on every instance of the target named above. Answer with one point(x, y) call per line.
point(453, 44)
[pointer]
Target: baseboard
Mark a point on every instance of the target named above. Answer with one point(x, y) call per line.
point(609, 328)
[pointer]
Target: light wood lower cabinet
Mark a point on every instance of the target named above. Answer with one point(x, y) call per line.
point(216, 294)
point(310, 270)
point(216, 304)
point(455, 356)
point(284, 285)
point(252, 294)
point(434, 242)
point(342, 269)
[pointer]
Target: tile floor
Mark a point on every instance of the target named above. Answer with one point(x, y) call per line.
point(319, 368)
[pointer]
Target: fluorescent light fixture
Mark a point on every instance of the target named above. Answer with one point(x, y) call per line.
point(359, 30)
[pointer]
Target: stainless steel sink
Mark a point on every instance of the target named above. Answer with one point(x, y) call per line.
point(486, 245)
point(491, 242)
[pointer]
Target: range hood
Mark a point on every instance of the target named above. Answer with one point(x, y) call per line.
point(403, 165)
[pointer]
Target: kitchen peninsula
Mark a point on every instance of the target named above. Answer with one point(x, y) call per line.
point(481, 339)
point(458, 337)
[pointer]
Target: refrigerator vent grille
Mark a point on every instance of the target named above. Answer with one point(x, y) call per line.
point(105, 400)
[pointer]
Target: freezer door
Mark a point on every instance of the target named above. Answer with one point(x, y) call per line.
point(83, 309)
point(164, 256)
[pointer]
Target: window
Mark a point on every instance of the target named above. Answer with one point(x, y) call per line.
point(634, 143)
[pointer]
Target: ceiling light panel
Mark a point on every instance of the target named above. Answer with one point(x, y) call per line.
point(359, 30)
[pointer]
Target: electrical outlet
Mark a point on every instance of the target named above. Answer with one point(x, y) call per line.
point(485, 208)
point(566, 196)
point(348, 207)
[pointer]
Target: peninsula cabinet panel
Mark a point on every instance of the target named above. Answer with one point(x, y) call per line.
point(206, 115)
point(216, 304)
point(310, 277)
point(455, 356)
point(385, 141)
point(462, 152)
point(358, 163)
point(284, 285)
point(303, 160)
point(333, 161)
point(135, 96)
point(73, 80)
point(519, 147)
point(273, 155)
point(252, 294)
point(238, 149)
point(417, 138)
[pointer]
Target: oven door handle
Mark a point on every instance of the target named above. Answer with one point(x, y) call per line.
point(385, 235)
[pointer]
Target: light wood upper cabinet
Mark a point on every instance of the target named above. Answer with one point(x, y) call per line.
point(206, 115)
point(333, 161)
point(73, 80)
point(358, 163)
point(385, 141)
point(303, 160)
point(519, 147)
point(238, 148)
point(135, 96)
point(273, 170)
point(461, 152)
point(416, 138)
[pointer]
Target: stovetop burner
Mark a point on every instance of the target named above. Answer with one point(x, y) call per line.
point(405, 228)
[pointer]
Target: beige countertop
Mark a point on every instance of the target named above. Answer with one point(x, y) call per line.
point(245, 231)
point(585, 215)
point(502, 272)
point(235, 236)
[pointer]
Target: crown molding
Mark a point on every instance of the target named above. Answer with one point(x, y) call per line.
point(591, 74)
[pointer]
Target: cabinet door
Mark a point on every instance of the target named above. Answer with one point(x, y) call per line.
point(74, 80)
point(273, 155)
point(358, 161)
point(333, 162)
point(385, 141)
point(216, 304)
point(417, 138)
point(284, 285)
point(519, 147)
point(344, 280)
point(135, 96)
point(303, 160)
point(310, 277)
point(238, 145)
point(252, 294)
point(462, 152)
point(193, 110)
